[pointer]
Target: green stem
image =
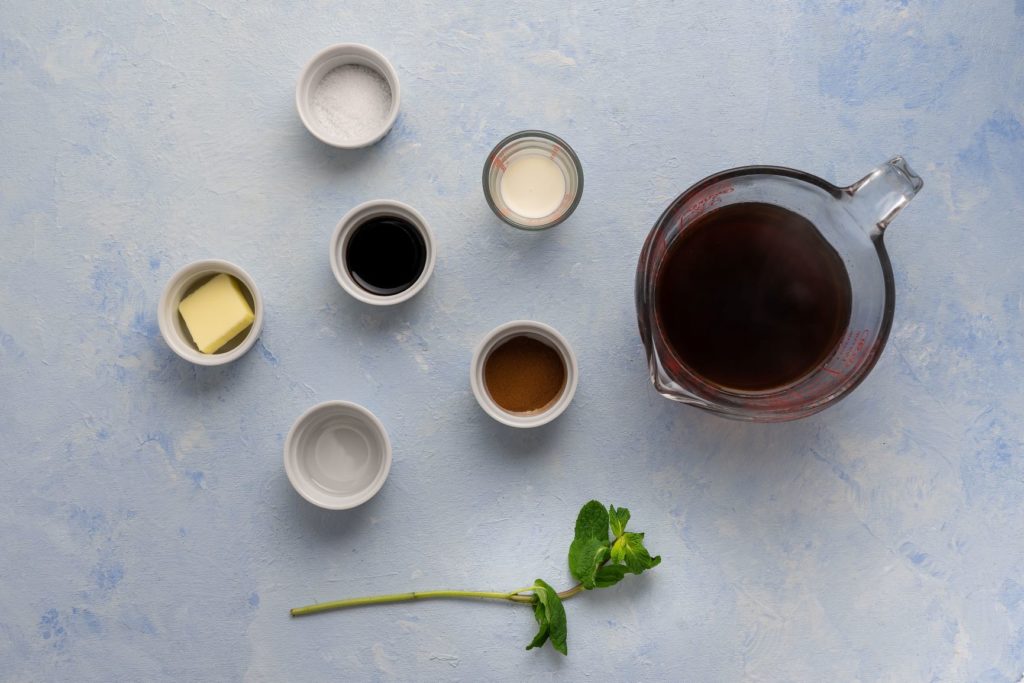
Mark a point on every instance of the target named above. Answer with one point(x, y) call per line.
point(518, 594)
point(513, 596)
point(395, 597)
point(566, 594)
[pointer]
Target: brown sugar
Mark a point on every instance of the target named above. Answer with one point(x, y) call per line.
point(524, 375)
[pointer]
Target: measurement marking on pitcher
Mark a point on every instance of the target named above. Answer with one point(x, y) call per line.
point(701, 203)
point(851, 350)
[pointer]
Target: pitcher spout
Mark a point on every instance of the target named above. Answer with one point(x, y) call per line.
point(875, 199)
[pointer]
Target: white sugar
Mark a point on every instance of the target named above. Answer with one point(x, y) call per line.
point(351, 102)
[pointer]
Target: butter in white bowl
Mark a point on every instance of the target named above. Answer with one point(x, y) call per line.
point(216, 313)
point(223, 318)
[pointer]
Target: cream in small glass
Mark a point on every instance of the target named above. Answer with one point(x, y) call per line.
point(533, 180)
point(533, 186)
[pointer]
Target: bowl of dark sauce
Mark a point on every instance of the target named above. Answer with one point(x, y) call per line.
point(382, 252)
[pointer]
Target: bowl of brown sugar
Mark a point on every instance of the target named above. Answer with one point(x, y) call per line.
point(524, 373)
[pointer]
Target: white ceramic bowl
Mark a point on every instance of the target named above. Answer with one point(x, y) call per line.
point(183, 283)
point(501, 334)
point(337, 455)
point(331, 58)
point(356, 217)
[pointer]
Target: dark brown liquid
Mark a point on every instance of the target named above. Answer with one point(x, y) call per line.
point(524, 375)
point(752, 297)
point(386, 255)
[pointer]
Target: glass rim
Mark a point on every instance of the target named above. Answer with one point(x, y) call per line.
point(544, 135)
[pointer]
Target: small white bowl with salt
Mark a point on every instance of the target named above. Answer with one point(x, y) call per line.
point(348, 96)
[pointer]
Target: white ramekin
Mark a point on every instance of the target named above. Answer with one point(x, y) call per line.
point(501, 334)
point(183, 282)
point(331, 58)
point(356, 217)
point(337, 455)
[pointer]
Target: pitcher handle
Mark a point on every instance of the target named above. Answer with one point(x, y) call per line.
point(876, 198)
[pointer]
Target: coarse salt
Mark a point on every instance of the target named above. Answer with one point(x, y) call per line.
point(352, 102)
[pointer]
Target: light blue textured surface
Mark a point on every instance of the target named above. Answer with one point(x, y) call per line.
point(147, 528)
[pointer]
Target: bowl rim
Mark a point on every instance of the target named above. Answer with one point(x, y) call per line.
point(302, 485)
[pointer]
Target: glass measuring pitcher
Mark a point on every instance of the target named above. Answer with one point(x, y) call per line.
point(851, 220)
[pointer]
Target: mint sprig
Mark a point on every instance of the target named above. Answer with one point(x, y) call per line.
point(595, 560)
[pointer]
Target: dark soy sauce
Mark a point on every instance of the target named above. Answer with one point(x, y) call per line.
point(752, 297)
point(386, 255)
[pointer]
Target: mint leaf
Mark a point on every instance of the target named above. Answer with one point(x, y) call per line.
point(592, 522)
point(585, 556)
point(609, 575)
point(590, 546)
point(618, 551)
point(629, 549)
point(541, 615)
point(550, 614)
point(618, 519)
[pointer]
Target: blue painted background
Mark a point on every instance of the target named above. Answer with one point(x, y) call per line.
point(148, 531)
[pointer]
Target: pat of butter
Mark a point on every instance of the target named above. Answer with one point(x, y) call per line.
point(216, 312)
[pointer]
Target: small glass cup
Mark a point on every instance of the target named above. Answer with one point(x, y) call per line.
point(527, 143)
